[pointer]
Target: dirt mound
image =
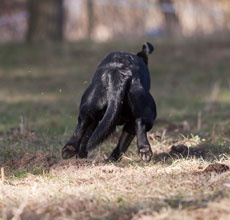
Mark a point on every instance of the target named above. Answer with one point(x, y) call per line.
point(187, 151)
point(180, 150)
point(29, 160)
point(217, 168)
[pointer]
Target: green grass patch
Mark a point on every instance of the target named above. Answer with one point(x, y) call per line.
point(41, 88)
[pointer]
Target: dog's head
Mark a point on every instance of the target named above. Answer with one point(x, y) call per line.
point(147, 49)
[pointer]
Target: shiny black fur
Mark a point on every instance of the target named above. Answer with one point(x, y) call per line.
point(118, 95)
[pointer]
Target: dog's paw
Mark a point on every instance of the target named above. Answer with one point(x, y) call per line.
point(82, 154)
point(115, 156)
point(145, 153)
point(68, 151)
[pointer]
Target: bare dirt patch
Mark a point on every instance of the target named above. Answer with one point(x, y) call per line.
point(29, 160)
point(180, 151)
point(217, 168)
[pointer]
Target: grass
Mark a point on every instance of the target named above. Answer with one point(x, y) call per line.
point(40, 91)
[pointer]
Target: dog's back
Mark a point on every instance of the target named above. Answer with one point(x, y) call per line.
point(123, 66)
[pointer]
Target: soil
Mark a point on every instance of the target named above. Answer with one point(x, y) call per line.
point(180, 150)
point(217, 168)
point(29, 160)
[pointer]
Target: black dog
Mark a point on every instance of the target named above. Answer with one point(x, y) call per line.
point(118, 95)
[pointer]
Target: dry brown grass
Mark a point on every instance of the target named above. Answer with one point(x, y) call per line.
point(93, 189)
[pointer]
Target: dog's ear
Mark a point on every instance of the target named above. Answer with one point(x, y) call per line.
point(147, 49)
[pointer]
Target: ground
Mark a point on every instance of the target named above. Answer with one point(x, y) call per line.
point(188, 177)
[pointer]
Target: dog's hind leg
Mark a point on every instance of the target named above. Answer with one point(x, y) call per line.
point(126, 138)
point(117, 84)
point(83, 153)
point(72, 147)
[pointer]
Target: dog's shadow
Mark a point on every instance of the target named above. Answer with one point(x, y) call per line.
point(204, 151)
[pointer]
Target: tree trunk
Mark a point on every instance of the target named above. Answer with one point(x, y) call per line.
point(226, 11)
point(90, 14)
point(172, 23)
point(45, 20)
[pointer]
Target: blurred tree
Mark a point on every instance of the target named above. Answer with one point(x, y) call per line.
point(172, 23)
point(226, 9)
point(90, 13)
point(45, 20)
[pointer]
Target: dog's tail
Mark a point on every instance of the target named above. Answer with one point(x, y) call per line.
point(147, 49)
point(117, 85)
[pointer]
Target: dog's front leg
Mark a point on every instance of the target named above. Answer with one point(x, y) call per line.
point(73, 145)
point(144, 148)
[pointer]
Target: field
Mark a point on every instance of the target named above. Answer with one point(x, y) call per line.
point(40, 91)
